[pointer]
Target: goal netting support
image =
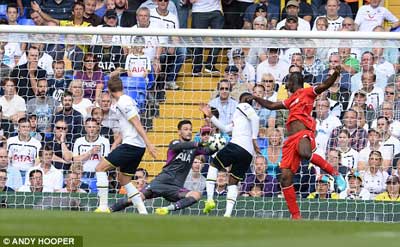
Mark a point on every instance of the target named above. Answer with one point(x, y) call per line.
point(244, 60)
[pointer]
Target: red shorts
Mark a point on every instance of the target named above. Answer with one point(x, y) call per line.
point(290, 156)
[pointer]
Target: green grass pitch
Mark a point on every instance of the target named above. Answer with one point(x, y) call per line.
point(122, 229)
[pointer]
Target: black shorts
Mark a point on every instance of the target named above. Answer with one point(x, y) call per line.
point(170, 192)
point(126, 157)
point(235, 156)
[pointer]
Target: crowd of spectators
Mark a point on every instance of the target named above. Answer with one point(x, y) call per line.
point(57, 119)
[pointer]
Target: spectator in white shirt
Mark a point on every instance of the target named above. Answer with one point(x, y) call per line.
point(374, 177)
point(36, 182)
point(387, 110)
point(374, 94)
point(390, 144)
point(372, 15)
point(326, 122)
point(80, 104)
point(23, 149)
point(274, 65)
point(367, 65)
point(247, 73)
point(195, 181)
point(13, 105)
point(354, 190)
point(72, 184)
point(268, 81)
point(172, 58)
point(52, 177)
point(14, 180)
point(381, 65)
point(334, 20)
point(374, 144)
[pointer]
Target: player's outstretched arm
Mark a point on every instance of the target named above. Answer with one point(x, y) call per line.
point(269, 104)
point(138, 125)
point(333, 75)
point(207, 111)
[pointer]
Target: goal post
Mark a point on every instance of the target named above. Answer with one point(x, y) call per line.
point(161, 107)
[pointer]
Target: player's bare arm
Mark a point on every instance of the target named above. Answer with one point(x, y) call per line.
point(334, 74)
point(150, 147)
point(269, 104)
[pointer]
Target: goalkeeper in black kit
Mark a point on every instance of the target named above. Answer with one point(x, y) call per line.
point(169, 183)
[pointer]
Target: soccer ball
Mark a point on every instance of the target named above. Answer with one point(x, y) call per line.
point(216, 142)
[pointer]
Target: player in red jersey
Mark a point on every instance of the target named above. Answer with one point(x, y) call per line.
point(300, 125)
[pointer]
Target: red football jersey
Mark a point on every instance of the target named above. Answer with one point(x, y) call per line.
point(300, 105)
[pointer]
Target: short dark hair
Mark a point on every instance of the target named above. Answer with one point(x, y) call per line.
point(182, 122)
point(12, 5)
point(224, 81)
point(46, 147)
point(57, 62)
point(35, 171)
point(66, 94)
point(90, 119)
point(115, 84)
point(145, 173)
point(23, 120)
point(78, 3)
point(244, 95)
point(6, 79)
point(385, 118)
point(3, 170)
point(297, 78)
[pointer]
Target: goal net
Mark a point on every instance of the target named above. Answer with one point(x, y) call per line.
point(169, 73)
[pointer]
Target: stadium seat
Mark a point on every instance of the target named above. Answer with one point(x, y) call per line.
point(26, 22)
point(135, 87)
point(3, 11)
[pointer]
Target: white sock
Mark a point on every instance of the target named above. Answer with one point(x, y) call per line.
point(231, 197)
point(102, 186)
point(134, 195)
point(210, 183)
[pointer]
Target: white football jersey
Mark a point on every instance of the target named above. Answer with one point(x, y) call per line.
point(23, 154)
point(82, 146)
point(241, 126)
point(126, 108)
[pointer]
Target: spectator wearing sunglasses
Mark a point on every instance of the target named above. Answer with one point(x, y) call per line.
point(225, 104)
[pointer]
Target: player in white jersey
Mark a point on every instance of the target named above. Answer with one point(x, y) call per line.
point(90, 149)
point(128, 155)
point(23, 149)
point(238, 154)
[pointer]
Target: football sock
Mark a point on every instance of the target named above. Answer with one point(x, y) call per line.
point(323, 164)
point(182, 203)
point(231, 197)
point(134, 195)
point(210, 183)
point(102, 186)
point(290, 197)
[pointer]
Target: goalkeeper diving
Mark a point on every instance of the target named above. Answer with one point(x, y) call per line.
point(169, 183)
